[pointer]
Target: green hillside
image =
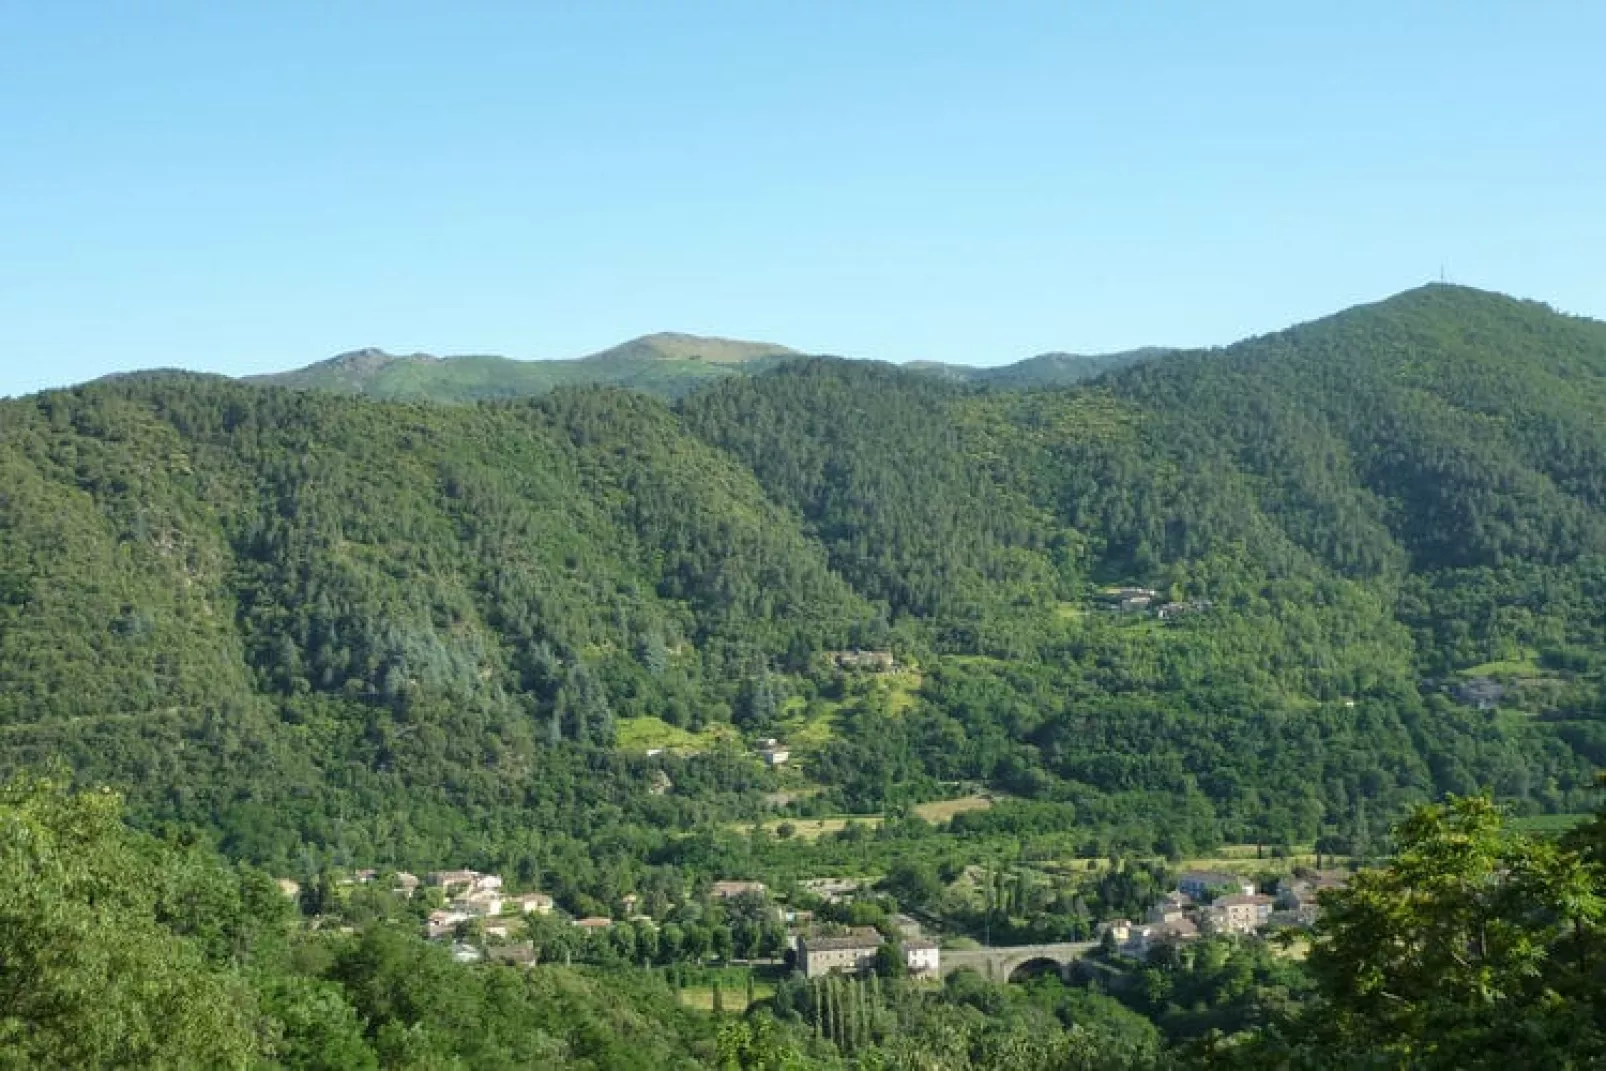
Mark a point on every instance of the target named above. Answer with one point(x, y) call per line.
point(1044, 370)
point(666, 365)
point(332, 629)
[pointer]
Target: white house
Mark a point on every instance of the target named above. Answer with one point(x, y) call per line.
point(922, 957)
point(531, 903)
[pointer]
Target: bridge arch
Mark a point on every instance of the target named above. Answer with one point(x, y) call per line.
point(1000, 963)
point(1036, 967)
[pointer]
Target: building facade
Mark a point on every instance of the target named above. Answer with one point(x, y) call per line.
point(819, 956)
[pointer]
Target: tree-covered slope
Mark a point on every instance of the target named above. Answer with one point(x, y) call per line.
point(1351, 514)
point(327, 627)
point(667, 365)
point(233, 600)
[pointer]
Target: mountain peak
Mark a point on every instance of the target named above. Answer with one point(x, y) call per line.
point(680, 346)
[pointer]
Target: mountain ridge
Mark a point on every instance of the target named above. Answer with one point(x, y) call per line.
point(667, 364)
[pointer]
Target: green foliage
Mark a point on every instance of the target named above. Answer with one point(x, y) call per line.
point(1474, 947)
point(89, 976)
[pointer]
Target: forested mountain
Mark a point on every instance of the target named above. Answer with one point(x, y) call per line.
point(329, 628)
point(667, 365)
point(1044, 370)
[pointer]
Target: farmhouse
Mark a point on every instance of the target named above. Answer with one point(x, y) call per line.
point(531, 903)
point(1145, 939)
point(870, 661)
point(844, 955)
point(463, 881)
point(1172, 906)
point(1239, 914)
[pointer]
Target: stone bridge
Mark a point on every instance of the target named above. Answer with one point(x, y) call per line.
point(1000, 963)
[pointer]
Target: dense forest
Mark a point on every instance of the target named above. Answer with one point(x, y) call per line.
point(1281, 593)
point(330, 630)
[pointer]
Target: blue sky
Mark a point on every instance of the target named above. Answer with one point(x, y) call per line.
point(246, 187)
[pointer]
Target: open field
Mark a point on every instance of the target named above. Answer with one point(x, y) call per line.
point(1553, 825)
point(645, 734)
point(812, 829)
point(939, 811)
point(808, 726)
point(1240, 858)
point(901, 688)
point(734, 998)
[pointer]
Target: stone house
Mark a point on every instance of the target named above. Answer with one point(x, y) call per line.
point(1239, 914)
point(819, 956)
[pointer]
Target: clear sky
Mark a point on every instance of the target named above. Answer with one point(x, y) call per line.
point(252, 186)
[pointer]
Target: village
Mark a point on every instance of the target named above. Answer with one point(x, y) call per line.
point(1217, 903)
point(480, 920)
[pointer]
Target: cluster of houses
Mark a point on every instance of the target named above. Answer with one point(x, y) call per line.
point(863, 661)
point(472, 895)
point(1146, 600)
point(833, 890)
point(1129, 600)
point(1214, 902)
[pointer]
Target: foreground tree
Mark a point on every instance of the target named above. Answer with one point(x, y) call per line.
point(1475, 947)
point(88, 976)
